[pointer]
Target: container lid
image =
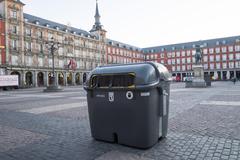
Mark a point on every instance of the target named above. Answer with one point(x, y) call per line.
point(127, 75)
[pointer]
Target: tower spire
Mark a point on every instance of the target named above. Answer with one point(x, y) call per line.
point(97, 25)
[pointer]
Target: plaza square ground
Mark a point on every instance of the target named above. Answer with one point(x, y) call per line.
point(204, 123)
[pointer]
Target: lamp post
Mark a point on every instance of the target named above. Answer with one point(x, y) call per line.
point(53, 46)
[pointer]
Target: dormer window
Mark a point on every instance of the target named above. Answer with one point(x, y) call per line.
point(205, 44)
point(223, 42)
point(47, 25)
point(237, 40)
point(75, 33)
point(26, 20)
point(173, 48)
point(163, 49)
point(37, 22)
point(57, 28)
point(193, 45)
point(66, 30)
point(217, 43)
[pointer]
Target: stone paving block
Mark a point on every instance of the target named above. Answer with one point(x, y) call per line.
point(11, 138)
point(116, 155)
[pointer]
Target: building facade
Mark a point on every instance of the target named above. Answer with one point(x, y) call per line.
point(122, 53)
point(28, 57)
point(23, 50)
point(2, 44)
point(221, 57)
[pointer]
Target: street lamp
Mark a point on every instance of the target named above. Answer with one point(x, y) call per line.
point(53, 46)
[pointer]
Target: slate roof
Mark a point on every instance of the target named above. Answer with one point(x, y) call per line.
point(53, 25)
point(189, 45)
point(122, 45)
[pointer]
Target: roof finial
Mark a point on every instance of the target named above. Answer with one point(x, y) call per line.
point(97, 16)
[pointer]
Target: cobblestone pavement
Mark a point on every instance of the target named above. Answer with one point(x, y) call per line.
point(203, 124)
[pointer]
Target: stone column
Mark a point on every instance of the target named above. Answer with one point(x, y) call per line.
point(46, 78)
point(65, 78)
point(23, 77)
point(35, 83)
point(74, 78)
point(56, 78)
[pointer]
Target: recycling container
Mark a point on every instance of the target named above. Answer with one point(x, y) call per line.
point(128, 104)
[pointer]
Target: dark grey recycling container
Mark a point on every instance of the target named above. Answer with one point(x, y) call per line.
point(129, 104)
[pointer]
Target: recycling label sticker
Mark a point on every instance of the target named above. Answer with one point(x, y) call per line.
point(111, 96)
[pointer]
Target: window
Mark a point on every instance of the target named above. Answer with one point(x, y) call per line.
point(217, 50)
point(189, 67)
point(29, 60)
point(183, 53)
point(230, 57)
point(40, 48)
point(188, 53)
point(211, 58)
point(169, 54)
point(188, 60)
point(178, 68)
point(183, 68)
point(205, 58)
point(224, 49)
point(224, 65)
point(173, 54)
point(231, 64)
point(39, 34)
point(14, 60)
point(237, 48)
point(224, 57)
point(152, 56)
point(178, 61)
point(50, 61)
point(205, 51)
point(173, 61)
point(230, 48)
point(173, 68)
point(237, 64)
point(237, 56)
point(211, 65)
point(13, 14)
point(183, 60)
point(28, 46)
point(193, 59)
point(193, 52)
point(211, 50)
point(14, 44)
point(169, 61)
point(217, 57)
point(178, 54)
point(14, 29)
point(218, 66)
point(205, 66)
point(28, 31)
point(50, 35)
point(40, 61)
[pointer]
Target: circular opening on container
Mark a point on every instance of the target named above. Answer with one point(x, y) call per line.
point(129, 95)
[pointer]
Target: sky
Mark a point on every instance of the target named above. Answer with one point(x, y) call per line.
point(146, 23)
